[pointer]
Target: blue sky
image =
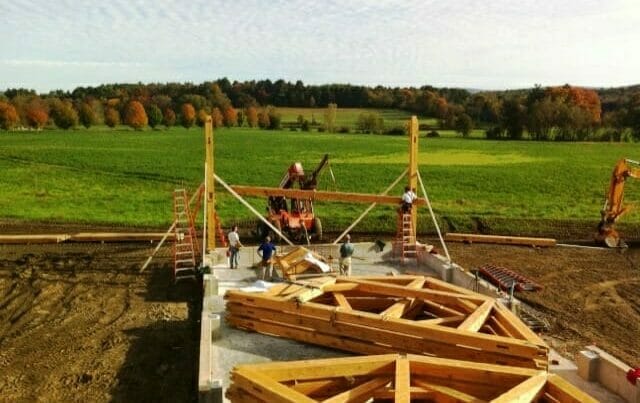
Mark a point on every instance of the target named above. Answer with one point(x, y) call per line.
point(51, 44)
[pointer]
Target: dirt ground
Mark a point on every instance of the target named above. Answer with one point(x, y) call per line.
point(590, 296)
point(77, 321)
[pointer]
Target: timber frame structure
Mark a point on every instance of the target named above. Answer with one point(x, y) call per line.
point(390, 314)
point(399, 378)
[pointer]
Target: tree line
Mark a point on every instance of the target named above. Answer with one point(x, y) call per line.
point(552, 113)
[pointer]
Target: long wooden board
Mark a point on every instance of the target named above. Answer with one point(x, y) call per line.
point(497, 239)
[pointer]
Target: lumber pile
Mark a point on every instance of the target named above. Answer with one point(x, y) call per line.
point(399, 378)
point(301, 261)
point(497, 239)
point(400, 314)
point(33, 239)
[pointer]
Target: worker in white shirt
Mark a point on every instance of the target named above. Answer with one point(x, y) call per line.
point(234, 247)
point(407, 199)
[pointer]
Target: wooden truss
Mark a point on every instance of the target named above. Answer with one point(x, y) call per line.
point(399, 378)
point(382, 314)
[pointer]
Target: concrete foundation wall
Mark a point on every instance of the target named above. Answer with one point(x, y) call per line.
point(596, 365)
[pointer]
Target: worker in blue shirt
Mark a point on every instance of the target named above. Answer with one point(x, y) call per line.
point(267, 249)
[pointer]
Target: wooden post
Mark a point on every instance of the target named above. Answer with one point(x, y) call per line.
point(413, 166)
point(210, 185)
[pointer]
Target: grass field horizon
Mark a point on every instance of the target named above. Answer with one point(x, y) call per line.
point(124, 177)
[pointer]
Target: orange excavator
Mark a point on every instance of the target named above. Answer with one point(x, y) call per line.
point(613, 205)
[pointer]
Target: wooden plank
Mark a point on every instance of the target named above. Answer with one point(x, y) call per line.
point(564, 392)
point(497, 239)
point(515, 326)
point(474, 322)
point(457, 396)
point(468, 371)
point(441, 310)
point(116, 236)
point(417, 394)
point(525, 392)
point(340, 287)
point(263, 191)
point(442, 321)
point(341, 300)
point(443, 297)
point(303, 370)
point(402, 381)
point(266, 388)
point(362, 392)
point(33, 239)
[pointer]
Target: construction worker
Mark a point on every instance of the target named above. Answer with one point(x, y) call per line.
point(267, 249)
point(407, 199)
point(234, 247)
point(346, 250)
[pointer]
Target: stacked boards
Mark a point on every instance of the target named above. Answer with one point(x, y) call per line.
point(381, 315)
point(399, 378)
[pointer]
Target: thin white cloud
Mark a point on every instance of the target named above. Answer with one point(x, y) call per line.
point(498, 44)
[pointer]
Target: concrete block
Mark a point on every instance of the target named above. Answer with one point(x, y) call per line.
point(587, 362)
point(214, 318)
point(447, 273)
point(212, 393)
point(612, 374)
point(210, 283)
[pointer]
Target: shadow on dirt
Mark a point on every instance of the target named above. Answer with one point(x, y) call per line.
point(161, 363)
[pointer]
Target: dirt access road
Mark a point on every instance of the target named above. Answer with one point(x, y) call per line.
point(78, 323)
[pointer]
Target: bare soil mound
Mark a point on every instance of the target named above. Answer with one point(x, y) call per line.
point(589, 296)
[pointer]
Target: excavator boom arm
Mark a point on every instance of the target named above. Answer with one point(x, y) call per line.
point(614, 207)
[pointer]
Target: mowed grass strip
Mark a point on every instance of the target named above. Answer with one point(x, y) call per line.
point(126, 177)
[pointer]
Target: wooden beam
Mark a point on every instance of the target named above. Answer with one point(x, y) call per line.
point(456, 395)
point(563, 391)
point(474, 322)
point(402, 382)
point(210, 184)
point(341, 300)
point(497, 239)
point(413, 168)
point(362, 392)
point(267, 388)
point(263, 191)
point(374, 365)
point(525, 392)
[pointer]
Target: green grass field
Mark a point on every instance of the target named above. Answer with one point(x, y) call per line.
point(349, 116)
point(125, 177)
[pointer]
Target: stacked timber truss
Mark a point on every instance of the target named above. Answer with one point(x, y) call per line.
point(399, 314)
point(399, 378)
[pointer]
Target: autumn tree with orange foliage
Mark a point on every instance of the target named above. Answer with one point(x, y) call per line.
point(252, 116)
point(8, 116)
point(135, 115)
point(169, 117)
point(188, 115)
point(36, 114)
point(583, 98)
point(230, 116)
point(201, 117)
point(111, 117)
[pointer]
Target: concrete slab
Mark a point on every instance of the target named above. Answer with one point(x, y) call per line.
point(237, 346)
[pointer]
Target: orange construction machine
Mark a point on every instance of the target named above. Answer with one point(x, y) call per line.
point(297, 217)
point(613, 205)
